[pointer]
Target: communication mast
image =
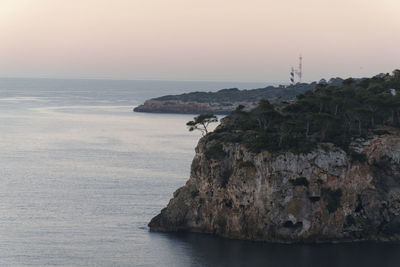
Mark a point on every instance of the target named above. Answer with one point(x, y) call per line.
point(298, 72)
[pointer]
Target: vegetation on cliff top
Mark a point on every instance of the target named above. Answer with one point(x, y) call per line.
point(334, 114)
point(236, 95)
point(201, 123)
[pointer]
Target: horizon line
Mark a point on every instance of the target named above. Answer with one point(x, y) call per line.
point(160, 80)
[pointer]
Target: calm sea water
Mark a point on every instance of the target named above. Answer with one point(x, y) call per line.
point(81, 175)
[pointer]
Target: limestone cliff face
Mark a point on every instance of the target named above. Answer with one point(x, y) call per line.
point(284, 197)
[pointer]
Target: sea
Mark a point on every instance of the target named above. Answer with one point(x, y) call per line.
point(81, 175)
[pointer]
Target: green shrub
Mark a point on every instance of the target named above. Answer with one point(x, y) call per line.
point(330, 114)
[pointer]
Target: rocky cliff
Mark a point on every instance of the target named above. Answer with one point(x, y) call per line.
point(324, 167)
point(323, 195)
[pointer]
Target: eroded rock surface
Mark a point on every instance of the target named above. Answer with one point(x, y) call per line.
point(320, 196)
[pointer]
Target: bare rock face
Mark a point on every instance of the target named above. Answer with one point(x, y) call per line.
point(321, 196)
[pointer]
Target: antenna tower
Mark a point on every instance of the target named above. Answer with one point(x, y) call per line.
point(299, 72)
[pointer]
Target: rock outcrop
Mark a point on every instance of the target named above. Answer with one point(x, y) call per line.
point(325, 195)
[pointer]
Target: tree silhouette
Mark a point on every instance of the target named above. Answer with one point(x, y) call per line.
point(201, 123)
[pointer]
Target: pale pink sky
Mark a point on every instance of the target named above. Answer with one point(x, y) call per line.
point(225, 40)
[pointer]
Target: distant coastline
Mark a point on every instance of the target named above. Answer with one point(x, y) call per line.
point(223, 101)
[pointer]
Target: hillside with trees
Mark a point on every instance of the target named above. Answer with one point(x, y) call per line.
point(223, 101)
point(329, 114)
point(236, 95)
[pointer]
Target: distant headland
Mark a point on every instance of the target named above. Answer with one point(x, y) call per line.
point(226, 100)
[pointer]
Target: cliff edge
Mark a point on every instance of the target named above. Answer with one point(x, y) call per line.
point(319, 196)
point(323, 168)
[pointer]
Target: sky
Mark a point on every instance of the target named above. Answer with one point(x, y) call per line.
point(207, 40)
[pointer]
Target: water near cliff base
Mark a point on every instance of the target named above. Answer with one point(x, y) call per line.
point(81, 175)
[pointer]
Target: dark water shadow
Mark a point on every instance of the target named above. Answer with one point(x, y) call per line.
point(208, 250)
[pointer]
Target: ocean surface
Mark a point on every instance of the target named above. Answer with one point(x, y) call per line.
point(81, 175)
